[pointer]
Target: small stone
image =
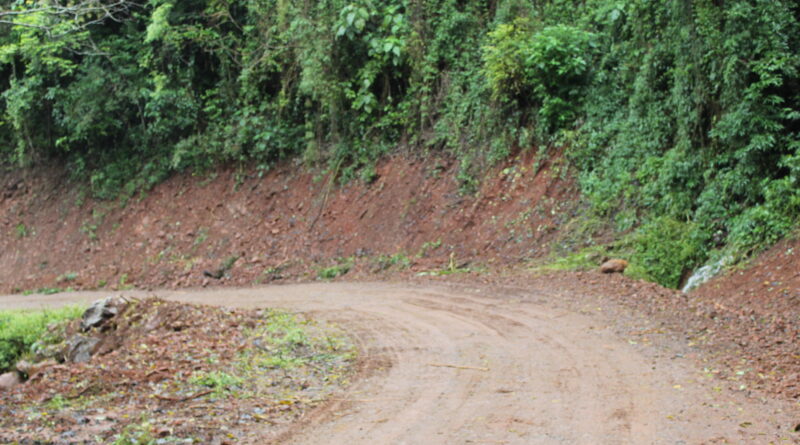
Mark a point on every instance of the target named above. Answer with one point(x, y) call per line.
point(9, 380)
point(614, 266)
point(100, 311)
point(24, 366)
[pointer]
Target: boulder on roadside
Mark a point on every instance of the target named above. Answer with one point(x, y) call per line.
point(101, 311)
point(9, 380)
point(614, 266)
point(80, 348)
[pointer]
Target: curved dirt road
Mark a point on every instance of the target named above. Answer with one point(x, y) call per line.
point(459, 366)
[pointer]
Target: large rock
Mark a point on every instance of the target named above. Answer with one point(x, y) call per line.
point(614, 266)
point(80, 348)
point(101, 311)
point(9, 380)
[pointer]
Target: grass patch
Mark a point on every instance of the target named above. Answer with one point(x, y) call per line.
point(21, 329)
point(341, 268)
point(289, 346)
point(284, 352)
point(584, 259)
point(385, 262)
point(219, 381)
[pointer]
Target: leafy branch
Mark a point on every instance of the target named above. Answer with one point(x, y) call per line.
point(78, 16)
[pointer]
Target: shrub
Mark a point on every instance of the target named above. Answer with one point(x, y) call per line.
point(546, 69)
point(664, 250)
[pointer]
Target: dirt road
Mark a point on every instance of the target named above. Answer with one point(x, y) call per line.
point(448, 365)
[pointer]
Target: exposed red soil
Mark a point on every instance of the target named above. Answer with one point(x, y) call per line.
point(287, 219)
point(284, 225)
point(761, 302)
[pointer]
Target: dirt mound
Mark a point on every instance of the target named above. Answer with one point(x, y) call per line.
point(761, 301)
point(174, 371)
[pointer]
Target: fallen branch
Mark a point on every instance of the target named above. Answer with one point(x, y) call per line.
point(183, 399)
point(445, 365)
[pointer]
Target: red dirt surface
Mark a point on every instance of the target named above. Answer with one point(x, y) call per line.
point(273, 226)
point(284, 225)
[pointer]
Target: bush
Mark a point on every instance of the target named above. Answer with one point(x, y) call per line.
point(664, 250)
point(546, 69)
point(19, 330)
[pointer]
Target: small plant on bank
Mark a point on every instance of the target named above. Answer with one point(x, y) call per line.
point(341, 268)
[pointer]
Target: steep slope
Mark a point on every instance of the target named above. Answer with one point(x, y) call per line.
point(246, 228)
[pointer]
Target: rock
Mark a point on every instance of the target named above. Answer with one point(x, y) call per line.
point(613, 266)
point(29, 369)
point(24, 367)
point(80, 348)
point(9, 380)
point(216, 274)
point(100, 311)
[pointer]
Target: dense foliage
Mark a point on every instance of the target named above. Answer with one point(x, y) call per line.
point(673, 110)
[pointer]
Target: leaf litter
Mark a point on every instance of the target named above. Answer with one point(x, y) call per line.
point(168, 372)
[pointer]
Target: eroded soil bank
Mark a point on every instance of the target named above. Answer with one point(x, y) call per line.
point(248, 228)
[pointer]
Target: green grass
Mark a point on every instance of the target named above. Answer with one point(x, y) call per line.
point(288, 343)
point(584, 259)
point(219, 381)
point(385, 262)
point(342, 267)
point(20, 329)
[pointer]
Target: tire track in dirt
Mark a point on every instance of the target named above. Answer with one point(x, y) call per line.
point(444, 366)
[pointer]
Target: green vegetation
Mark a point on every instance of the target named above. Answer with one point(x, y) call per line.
point(137, 434)
point(287, 343)
point(21, 230)
point(671, 110)
point(20, 330)
point(386, 262)
point(342, 266)
point(218, 381)
point(429, 246)
point(47, 290)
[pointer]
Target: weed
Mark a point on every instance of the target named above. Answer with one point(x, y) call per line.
point(21, 231)
point(90, 230)
point(384, 262)
point(69, 276)
point(341, 268)
point(46, 290)
point(202, 236)
point(219, 381)
point(429, 246)
point(57, 403)
point(585, 259)
point(452, 268)
point(123, 282)
point(137, 434)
